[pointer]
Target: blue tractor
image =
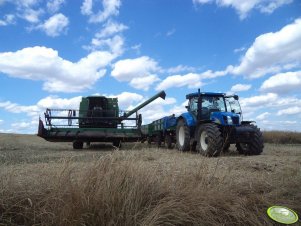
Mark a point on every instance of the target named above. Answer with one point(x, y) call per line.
point(212, 122)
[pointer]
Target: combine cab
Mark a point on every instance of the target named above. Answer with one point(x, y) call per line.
point(97, 120)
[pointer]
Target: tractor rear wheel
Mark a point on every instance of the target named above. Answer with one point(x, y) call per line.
point(77, 144)
point(209, 140)
point(183, 136)
point(255, 146)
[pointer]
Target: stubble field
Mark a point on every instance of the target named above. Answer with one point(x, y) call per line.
point(44, 183)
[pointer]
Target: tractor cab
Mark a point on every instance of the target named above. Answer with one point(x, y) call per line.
point(216, 107)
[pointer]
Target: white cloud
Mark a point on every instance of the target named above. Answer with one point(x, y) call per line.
point(179, 68)
point(133, 70)
point(283, 83)
point(272, 52)
point(31, 15)
point(54, 5)
point(240, 87)
point(143, 83)
point(110, 8)
point(86, 8)
point(258, 101)
point(110, 28)
point(244, 7)
point(59, 75)
point(263, 116)
point(191, 80)
point(8, 19)
point(290, 111)
point(114, 45)
point(55, 25)
point(1, 121)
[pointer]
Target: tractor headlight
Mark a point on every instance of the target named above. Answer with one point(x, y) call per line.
point(229, 120)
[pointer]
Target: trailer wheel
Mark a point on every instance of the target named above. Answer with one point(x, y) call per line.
point(117, 143)
point(183, 136)
point(77, 144)
point(209, 140)
point(168, 141)
point(255, 146)
point(158, 139)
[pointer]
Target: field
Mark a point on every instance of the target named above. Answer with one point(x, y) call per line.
point(44, 183)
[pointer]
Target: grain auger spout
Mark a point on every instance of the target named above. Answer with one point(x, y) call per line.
point(161, 94)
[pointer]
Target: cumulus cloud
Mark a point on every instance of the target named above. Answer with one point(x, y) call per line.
point(191, 80)
point(58, 74)
point(244, 7)
point(272, 52)
point(240, 87)
point(54, 5)
point(134, 70)
point(180, 68)
point(55, 25)
point(110, 8)
point(261, 100)
point(283, 83)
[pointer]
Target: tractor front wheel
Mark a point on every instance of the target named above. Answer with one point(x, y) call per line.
point(183, 136)
point(255, 146)
point(209, 140)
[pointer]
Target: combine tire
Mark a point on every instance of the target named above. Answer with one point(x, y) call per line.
point(183, 136)
point(254, 147)
point(209, 140)
point(77, 144)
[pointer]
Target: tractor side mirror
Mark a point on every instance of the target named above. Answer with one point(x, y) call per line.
point(236, 97)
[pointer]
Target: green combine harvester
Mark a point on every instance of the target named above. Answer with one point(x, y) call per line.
point(98, 119)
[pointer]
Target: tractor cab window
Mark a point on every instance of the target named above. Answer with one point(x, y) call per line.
point(233, 105)
point(212, 104)
point(193, 104)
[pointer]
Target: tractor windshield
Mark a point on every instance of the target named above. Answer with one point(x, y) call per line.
point(233, 105)
point(213, 103)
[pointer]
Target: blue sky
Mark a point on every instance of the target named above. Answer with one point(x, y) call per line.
point(53, 52)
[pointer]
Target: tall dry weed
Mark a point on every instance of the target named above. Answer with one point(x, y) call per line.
point(125, 189)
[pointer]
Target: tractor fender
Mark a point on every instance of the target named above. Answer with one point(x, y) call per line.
point(188, 118)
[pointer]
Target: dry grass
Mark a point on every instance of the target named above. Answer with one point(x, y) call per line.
point(147, 187)
point(282, 137)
